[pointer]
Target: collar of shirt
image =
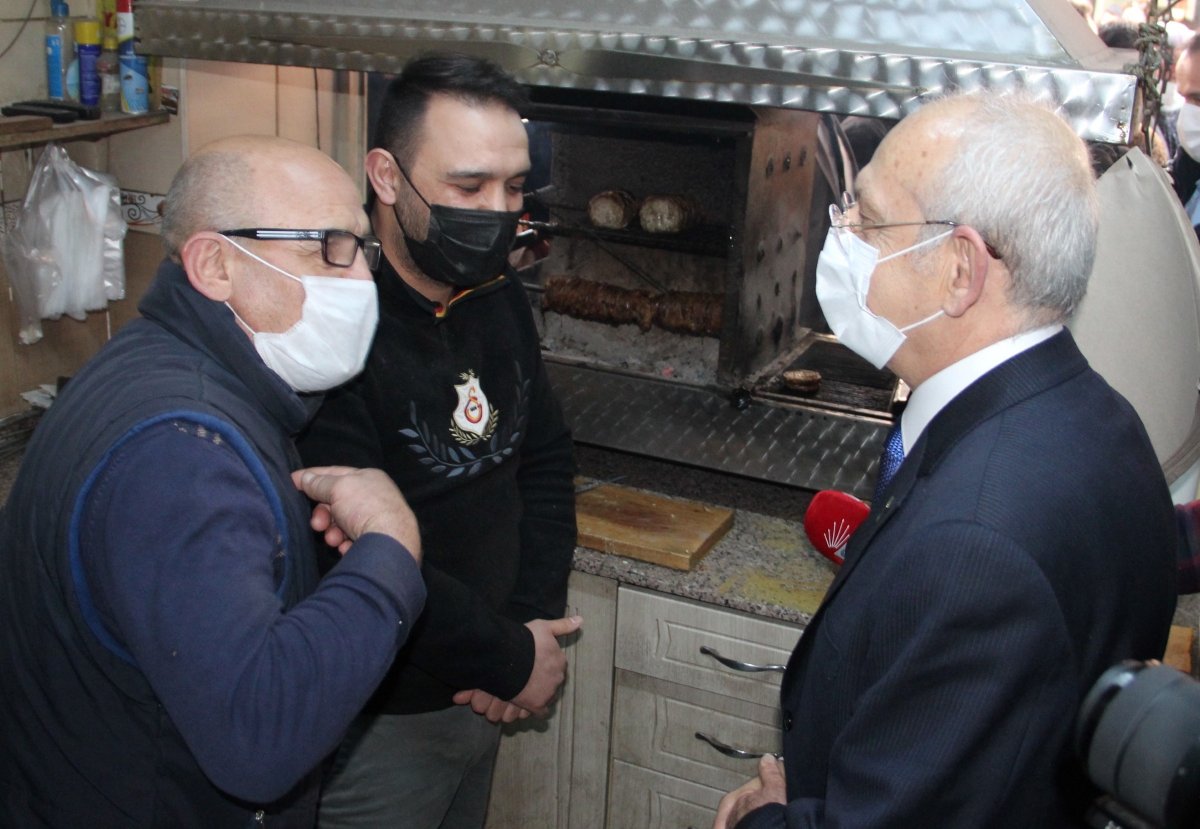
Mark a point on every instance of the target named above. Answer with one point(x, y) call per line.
point(932, 396)
point(393, 287)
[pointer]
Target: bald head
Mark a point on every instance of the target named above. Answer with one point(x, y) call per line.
point(1016, 173)
point(253, 181)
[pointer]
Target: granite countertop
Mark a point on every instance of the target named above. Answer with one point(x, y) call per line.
point(764, 565)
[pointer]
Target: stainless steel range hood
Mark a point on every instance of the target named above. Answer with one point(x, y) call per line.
point(865, 57)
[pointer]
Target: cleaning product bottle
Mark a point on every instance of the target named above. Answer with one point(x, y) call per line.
point(109, 69)
point(125, 44)
point(87, 52)
point(60, 49)
point(106, 13)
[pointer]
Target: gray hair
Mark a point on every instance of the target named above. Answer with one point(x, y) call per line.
point(212, 191)
point(1024, 180)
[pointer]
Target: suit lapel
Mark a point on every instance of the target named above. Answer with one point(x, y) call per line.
point(1042, 367)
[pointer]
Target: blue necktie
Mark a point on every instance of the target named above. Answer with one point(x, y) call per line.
point(890, 460)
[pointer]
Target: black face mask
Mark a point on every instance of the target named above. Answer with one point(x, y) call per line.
point(462, 247)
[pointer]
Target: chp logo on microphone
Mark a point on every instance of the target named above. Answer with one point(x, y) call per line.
point(831, 518)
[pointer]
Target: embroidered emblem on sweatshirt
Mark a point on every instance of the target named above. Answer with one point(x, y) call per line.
point(474, 419)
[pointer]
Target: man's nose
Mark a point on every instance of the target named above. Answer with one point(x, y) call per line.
point(494, 198)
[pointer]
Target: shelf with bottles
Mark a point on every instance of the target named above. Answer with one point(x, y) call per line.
point(110, 124)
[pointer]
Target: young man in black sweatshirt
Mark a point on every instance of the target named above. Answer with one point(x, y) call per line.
point(455, 406)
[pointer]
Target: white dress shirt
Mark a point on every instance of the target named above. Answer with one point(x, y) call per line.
point(929, 398)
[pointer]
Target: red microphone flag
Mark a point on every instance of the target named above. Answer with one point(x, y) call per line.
point(831, 519)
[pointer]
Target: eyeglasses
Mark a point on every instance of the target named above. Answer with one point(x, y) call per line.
point(840, 220)
point(338, 247)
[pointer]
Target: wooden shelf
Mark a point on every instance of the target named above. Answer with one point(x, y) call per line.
point(84, 130)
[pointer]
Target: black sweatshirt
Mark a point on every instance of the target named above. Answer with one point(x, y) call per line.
point(487, 467)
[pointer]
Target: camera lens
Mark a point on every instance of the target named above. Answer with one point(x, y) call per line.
point(1139, 738)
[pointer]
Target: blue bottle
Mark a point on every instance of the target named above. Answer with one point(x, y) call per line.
point(60, 50)
point(87, 53)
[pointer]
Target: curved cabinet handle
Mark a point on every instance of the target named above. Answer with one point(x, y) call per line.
point(739, 666)
point(730, 751)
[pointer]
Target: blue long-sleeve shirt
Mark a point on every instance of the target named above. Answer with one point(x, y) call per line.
point(176, 550)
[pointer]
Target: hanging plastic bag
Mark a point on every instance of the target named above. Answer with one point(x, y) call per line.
point(65, 253)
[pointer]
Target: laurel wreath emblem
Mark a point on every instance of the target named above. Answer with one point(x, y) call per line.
point(499, 444)
point(469, 439)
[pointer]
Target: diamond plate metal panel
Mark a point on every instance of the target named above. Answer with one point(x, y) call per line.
point(807, 449)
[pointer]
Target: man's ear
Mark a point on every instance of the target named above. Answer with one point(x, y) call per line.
point(203, 256)
point(383, 174)
point(970, 271)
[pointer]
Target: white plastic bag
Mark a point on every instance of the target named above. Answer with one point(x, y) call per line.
point(65, 253)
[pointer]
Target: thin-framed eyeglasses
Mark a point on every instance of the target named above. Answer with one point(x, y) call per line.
point(839, 218)
point(338, 247)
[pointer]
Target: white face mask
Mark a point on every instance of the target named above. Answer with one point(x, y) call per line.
point(843, 280)
point(1188, 127)
point(329, 343)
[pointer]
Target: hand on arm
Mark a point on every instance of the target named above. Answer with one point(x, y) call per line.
point(549, 672)
point(493, 708)
point(549, 663)
point(354, 502)
point(768, 787)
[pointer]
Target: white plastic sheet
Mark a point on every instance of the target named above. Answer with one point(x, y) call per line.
point(65, 253)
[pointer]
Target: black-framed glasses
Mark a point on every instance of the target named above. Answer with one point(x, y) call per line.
point(338, 247)
point(839, 218)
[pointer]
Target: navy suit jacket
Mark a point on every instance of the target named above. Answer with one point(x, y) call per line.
point(1026, 544)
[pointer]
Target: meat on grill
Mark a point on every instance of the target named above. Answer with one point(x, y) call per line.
point(690, 312)
point(683, 312)
point(612, 209)
point(596, 301)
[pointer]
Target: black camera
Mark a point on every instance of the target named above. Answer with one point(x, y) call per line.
point(1138, 735)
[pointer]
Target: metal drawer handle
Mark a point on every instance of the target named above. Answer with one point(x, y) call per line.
point(730, 751)
point(739, 666)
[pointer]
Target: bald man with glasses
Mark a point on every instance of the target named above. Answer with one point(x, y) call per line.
point(167, 657)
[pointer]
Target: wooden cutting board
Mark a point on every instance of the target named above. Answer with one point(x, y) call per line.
point(669, 531)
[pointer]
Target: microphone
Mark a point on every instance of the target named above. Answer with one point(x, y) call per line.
point(831, 518)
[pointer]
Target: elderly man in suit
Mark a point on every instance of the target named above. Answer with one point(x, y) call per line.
point(1025, 543)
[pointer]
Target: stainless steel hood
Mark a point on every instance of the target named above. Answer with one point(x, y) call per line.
point(865, 57)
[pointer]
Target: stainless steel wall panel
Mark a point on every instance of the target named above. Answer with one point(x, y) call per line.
point(869, 57)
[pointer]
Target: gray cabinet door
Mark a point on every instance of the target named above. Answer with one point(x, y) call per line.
point(554, 772)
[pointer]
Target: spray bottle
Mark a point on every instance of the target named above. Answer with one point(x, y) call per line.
point(87, 52)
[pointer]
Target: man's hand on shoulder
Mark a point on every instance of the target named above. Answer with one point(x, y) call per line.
point(353, 502)
point(549, 664)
